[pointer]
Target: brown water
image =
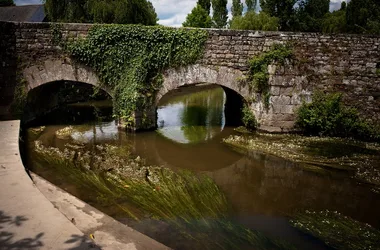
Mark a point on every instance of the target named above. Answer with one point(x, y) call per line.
point(263, 191)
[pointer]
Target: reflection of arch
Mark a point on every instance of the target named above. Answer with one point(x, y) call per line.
point(58, 70)
point(194, 74)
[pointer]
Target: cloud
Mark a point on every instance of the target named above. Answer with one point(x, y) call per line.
point(27, 2)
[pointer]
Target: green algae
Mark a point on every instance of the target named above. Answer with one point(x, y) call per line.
point(359, 159)
point(191, 204)
point(338, 231)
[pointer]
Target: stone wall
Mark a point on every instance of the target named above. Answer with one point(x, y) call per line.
point(332, 63)
point(345, 63)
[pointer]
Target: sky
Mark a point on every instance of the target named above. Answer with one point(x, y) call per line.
point(174, 12)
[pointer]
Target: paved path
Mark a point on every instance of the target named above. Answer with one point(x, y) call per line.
point(29, 220)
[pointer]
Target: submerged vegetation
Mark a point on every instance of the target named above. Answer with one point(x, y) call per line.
point(338, 231)
point(258, 69)
point(191, 204)
point(327, 115)
point(129, 60)
point(359, 159)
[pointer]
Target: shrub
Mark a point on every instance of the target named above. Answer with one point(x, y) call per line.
point(248, 118)
point(326, 115)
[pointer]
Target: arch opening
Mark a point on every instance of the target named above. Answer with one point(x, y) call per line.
point(44, 101)
point(197, 112)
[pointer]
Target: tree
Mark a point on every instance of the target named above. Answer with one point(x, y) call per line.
point(6, 3)
point(198, 18)
point(101, 11)
point(283, 9)
point(251, 4)
point(363, 16)
point(219, 16)
point(206, 5)
point(237, 8)
point(254, 21)
point(334, 22)
point(310, 14)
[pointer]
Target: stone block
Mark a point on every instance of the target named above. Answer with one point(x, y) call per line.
point(287, 109)
point(280, 100)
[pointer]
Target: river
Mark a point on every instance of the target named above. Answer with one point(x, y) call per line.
point(262, 191)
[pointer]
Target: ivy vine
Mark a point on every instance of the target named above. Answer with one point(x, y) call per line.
point(129, 60)
point(258, 76)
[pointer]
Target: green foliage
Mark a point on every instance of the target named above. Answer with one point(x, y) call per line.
point(193, 205)
point(326, 115)
point(338, 231)
point(363, 16)
point(101, 11)
point(237, 8)
point(198, 18)
point(309, 15)
point(258, 69)
point(334, 22)
point(20, 97)
point(251, 5)
point(248, 118)
point(129, 59)
point(56, 33)
point(253, 21)
point(206, 5)
point(220, 13)
point(6, 3)
point(282, 9)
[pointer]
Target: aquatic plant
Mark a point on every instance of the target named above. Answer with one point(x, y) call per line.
point(337, 231)
point(192, 204)
point(129, 59)
point(64, 132)
point(359, 159)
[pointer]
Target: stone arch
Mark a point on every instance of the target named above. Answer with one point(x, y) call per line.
point(225, 77)
point(195, 74)
point(44, 80)
point(58, 70)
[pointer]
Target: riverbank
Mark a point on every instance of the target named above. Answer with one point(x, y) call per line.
point(37, 215)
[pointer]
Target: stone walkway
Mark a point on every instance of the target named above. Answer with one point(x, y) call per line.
point(29, 220)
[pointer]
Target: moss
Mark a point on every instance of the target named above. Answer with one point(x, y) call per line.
point(338, 231)
point(19, 97)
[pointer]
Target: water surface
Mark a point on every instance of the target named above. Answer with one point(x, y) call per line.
point(262, 191)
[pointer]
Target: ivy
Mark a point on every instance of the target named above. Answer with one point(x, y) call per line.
point(130, 58)
point(258, 69)
point(56, 33)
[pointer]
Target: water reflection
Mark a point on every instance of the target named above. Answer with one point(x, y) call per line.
point(192, 117)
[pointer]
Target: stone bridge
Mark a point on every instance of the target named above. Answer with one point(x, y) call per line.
point(333, 63)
